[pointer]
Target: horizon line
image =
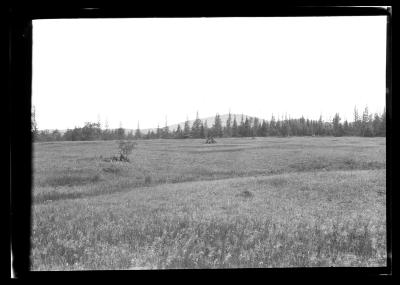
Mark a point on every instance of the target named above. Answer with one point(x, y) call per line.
point(277, 117)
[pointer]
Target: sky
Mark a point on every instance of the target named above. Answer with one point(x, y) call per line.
point(149, 70)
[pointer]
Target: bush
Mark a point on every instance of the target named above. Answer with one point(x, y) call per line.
point(125, 148)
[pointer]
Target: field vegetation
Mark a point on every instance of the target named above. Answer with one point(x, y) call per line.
point(243, 202)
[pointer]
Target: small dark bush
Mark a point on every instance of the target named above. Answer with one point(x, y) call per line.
point(210, 140)
point(125, 149)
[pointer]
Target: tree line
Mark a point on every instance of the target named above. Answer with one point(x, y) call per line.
point(365, 125)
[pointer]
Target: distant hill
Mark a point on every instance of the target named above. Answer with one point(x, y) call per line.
point(209, 120)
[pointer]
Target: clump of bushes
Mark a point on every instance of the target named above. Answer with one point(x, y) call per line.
point(125, 148)
point(210, 140)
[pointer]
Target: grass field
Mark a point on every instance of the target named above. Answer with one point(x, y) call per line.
point(263, 202)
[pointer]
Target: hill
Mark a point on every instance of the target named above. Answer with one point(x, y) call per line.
point(209, 120)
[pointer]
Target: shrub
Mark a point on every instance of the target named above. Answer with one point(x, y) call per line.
point(125, 148)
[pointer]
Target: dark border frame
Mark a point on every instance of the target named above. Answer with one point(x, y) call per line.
point(19, 90)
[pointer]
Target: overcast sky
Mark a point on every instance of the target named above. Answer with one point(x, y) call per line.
point(130, 70)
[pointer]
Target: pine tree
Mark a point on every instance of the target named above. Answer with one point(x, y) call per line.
point(356, 123)
point(383, 123)
point(247, 128)
point(186, 128)
point(337, 127)
point(272, 126)
point(138, 134)
point(34, 128)
point(206, 129)
point(376, 125)
point(158, 132)
point(106, 133)
point(130, 135)
point(228, 128)
point(235, 132)
point(320, 128)
point(120, 132)
point(256, 126)
point(196, 127)
point(178, 132)
point(217, 127)
point(346, 128)
point(241, 128)
point(264, 129)
point(366, 124)
point(202, 132)
point(165, 131)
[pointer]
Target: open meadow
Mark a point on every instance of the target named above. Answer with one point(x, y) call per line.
point(242, 202)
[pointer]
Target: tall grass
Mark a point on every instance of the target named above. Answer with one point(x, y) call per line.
point(252, 203)
point(104, 242)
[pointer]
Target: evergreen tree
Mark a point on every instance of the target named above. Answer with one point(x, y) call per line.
point(120, 132)
point(241, 128)
point(255, 128)
point(34, 128)
point(202, 132)
point(196, 127)
point(178, 132)
point(337, 127)
point(186, 128)
point(366, 124)
point(130, 135)
point(320, 127)
point(272, 127)
point(356, 123)
point(217, 127)
point(206, 129)
point(148, 135)
point(383, 123)
point(106, 132)
point(376, 125)
point(286, 126)
point(235, 131)
point(247, 127)
point(138, 134)
point(308, 128)
point(263, 132)
point(278, 128)
point(346, 128)
point(303, 126)
point(228, 128)
point(158, 132)
point(165, 131)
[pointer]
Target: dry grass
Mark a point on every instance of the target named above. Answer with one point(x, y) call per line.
point(171, 208)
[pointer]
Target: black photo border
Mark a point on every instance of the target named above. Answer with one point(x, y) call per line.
point(19, 99)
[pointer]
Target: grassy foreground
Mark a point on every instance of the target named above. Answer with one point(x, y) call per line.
point(182, 204)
